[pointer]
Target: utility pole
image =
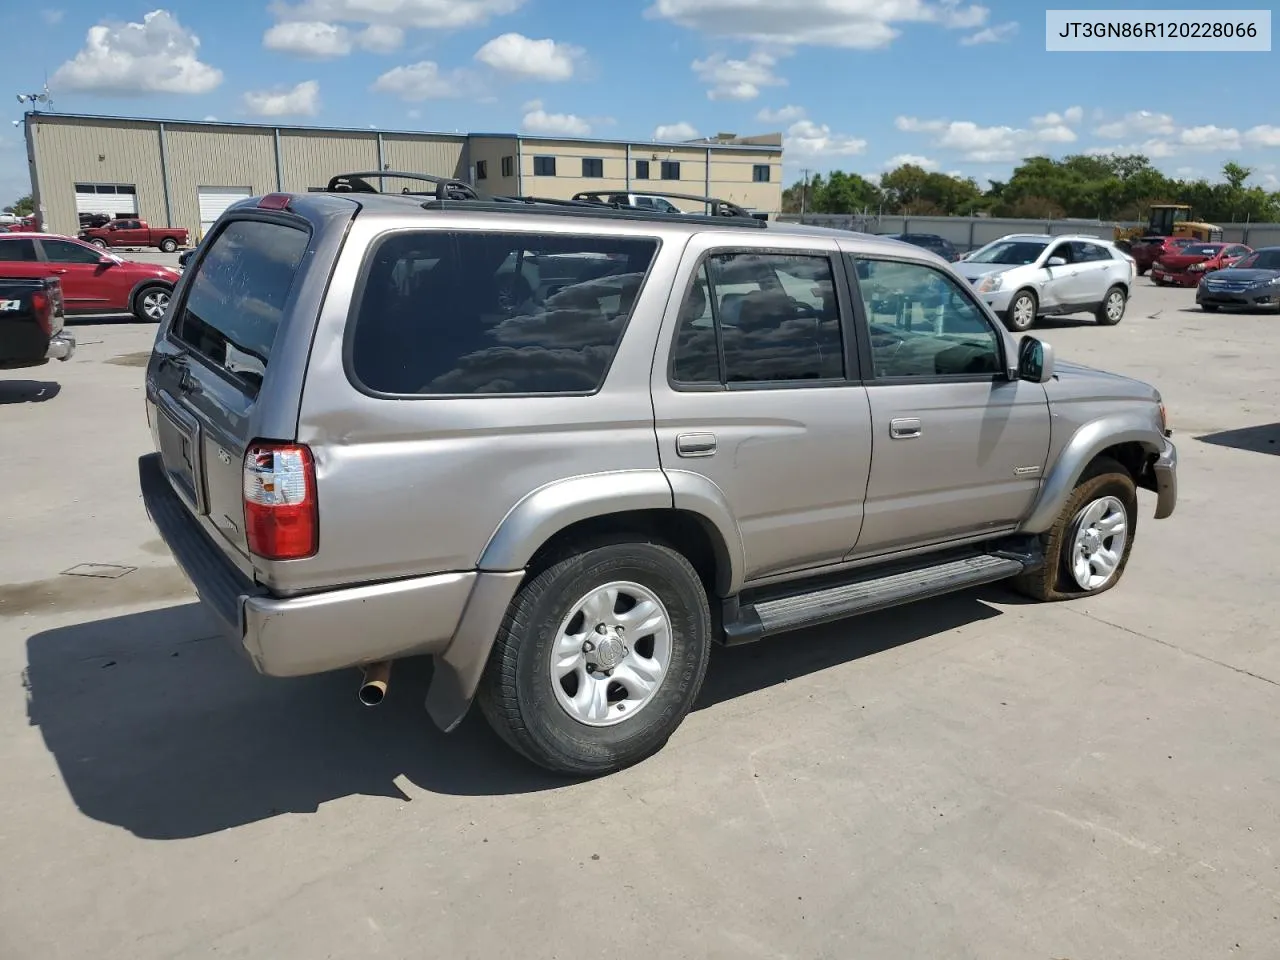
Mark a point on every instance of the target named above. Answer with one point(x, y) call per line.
point(804, 191)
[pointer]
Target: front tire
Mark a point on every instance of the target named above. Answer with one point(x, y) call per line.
point(1021, 314)
point(599, 658)
point(1087, 548)
point(1112, 308)
point(168, 245)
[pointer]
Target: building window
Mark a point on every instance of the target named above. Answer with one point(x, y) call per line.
point(760, 173)
point(642, 169)
point(592, 167)
point(508, 166)
point(544, 166)
point(482, 169)
point(670, 169)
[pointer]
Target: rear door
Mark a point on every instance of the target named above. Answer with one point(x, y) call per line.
point(1092, 271)
point(87, 284)
point(212, 361)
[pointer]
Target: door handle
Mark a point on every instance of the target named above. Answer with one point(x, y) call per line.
point(696, 444)
point(905, 428)
point(60, 271)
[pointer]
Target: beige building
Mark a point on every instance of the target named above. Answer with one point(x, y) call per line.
point(180, 173)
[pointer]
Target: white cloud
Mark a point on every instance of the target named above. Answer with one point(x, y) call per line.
point(158, 55)
point(737, 79)
point(423, 81)
point(1263, 136)
point(1210, 137)
point(1056, 134)
point(675, 131)
point(539, 121)
point(990, 144)
point(914, 159)
point(422, 14)
point(380, 38)
point(516, 54)
point(303, 99)
point(1068, 117)
point(1139, 123)
point(52, 17)
point(210, 118)
point(997, 33)
point(804, 138)
point(1154, 148)
point(787, 114)
point(308, 38)
point(860, 24)
point(1073, 115)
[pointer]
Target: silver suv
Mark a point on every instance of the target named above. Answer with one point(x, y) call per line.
point(564, 449)
point(1025, 276)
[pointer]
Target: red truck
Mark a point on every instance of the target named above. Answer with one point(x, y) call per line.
point(135, 233)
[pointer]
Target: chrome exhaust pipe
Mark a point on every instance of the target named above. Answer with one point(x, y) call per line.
point(373, 689)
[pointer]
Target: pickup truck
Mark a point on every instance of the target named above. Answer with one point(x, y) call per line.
point(135, 233)
point(31, 317)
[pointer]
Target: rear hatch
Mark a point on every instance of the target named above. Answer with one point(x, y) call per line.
point(229, 359)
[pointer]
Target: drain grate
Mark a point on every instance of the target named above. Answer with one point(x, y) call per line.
point(103, 571)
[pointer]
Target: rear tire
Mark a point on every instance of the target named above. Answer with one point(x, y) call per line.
point(1021, 314)
point(1081, 545)
point(100, 244)
point(150, 303)
point(168, 245)
point(537, 688)
point(1111, 311)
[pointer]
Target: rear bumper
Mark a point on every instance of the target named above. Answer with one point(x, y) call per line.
point(1177, 279)
point(1165, 469)
point(62, 346)
point(330, 630)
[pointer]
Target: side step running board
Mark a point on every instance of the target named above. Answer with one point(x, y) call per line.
point(766, 617)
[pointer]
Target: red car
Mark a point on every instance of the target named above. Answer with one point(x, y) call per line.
point(93, 281)
point(135, 233)
point(1148, 250)
point(1188, 265)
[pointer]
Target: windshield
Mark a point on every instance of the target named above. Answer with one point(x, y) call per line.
point(1262, 260)
point(1201, 250)
point(1010, 252)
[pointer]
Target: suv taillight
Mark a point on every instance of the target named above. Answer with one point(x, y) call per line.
point(280, 517)
point(42, 306)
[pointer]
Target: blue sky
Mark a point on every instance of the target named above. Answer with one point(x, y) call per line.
point(857, 85)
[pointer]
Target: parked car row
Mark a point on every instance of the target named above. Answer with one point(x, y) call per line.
point(1252, 281)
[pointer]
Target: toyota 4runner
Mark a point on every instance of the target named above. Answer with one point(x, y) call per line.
point(564, 448)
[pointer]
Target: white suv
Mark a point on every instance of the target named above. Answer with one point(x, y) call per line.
point(1025, 276)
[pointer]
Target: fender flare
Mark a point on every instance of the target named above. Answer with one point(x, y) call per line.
point(1085, 444)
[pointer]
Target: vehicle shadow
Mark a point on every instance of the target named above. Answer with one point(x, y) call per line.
point(1064, 323)
point(1264, 438)
point(28, 391)
point(160, 727)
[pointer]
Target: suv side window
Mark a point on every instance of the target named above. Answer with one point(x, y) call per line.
point(1062, 250)
point(1088, 252)
point(18, 250)
point(468, 313)
point(760, 318)
point(923, 325)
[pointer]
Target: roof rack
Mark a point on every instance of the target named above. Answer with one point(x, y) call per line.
point(446, 188)
point(569, 208)
point(719, 207)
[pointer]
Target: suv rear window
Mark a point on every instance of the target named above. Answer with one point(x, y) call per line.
point(236, 298)
point(467, 313)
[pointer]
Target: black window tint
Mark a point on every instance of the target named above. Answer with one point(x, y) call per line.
point(1083, 252)
point(236, 298)
point(63, 251)
point(592, 167)
point(695, 355)
point(922, 324)
point(17, 251)
point(544, 166)
point(760, 173)
point(482, 169)
point(508, 166)
point(778, 317)
point(642, 169)
point(494, 313)
point(670, 169)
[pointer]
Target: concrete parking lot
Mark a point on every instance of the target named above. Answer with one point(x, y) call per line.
point(976, 777)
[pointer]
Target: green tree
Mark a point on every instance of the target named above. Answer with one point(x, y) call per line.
point(22, 207)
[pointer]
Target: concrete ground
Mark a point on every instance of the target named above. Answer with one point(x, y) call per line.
point(975, 777)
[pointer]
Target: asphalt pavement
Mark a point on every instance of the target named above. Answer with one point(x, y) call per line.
point(974, 777)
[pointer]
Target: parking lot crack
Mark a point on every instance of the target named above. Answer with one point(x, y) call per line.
point(1174, 646)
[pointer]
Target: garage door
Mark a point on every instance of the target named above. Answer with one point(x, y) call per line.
point(214, 200)
point(112, 199)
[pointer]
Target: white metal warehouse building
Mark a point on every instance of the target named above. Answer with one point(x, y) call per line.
point(184, 174)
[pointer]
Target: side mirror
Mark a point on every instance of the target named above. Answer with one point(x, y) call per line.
point(1035, 361)
point(105, 262)
point(1055, 262)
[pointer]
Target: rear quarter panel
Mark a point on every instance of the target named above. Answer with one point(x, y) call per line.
point(415, 486)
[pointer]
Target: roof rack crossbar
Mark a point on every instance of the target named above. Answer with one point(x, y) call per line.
point(719, 207)
point(446, 188)
point(568, 208)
